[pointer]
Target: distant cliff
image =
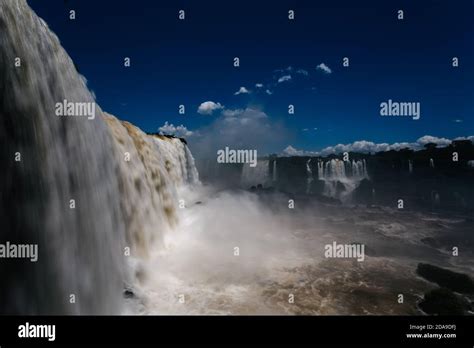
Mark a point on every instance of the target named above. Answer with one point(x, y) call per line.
point(432, 178)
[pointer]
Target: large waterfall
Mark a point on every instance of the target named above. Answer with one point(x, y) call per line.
point(341, 177)
point(84, 190)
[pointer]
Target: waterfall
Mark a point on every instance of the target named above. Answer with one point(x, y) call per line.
point(275, 177)
point(410, 166)
point(341, 177)
point(435, 199)
point(258, 175)
point(150, 180)
point(84, 190)
point(432, 163)
point(309, 179)
point(320, 170)
point(193, 175)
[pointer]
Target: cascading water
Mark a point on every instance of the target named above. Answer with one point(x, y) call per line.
point(150, 177)
point(341, 177)
point(275, 176)
point(193, 175)
point(309, 178)
point(258, 175)
point(410, 166)
point(84, 190)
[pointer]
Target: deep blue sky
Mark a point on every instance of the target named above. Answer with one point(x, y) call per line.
point(188, 62)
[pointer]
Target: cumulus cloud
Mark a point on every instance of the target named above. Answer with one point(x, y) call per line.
point(179, 131)
point(430, 139)
point(232, 112)
point(269, 92)
point(471, 138)
point(323, 67)
point(291, 151)
point(364, 146)
point(259, 85)
point(242, 90)
point(284, 78)
point(208, 107)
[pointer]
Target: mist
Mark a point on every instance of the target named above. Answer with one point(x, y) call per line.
point(201, 262)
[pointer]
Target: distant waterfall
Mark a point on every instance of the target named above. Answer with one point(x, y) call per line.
point(81, 189)
point(432, 165)
point(435, 199)
point(258, 175)
point(309, 178)
point(410, 166)
point(321, 170)
point(336, 169)
point(341, 177)
point(275, 176)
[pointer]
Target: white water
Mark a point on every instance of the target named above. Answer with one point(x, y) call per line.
point(119, 203)
point(410, 166)
point(62, 159)
point(275, 175)
point(341, 178)
point(309, 178)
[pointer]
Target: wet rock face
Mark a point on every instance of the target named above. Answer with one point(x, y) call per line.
point(454, 281)
point(444, 302)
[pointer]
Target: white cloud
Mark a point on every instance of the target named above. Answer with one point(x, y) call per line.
point(291, 151)
point(259, 85)
point(324, 68)
point(179, 131)
point(269, 92)
point(471, 138)
point(207, 108)
point(289, 69)
point(364, 146)
point(242, 90)
point(302, 72)
point(430, 139)
point(284, 78)
point(232, 113)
